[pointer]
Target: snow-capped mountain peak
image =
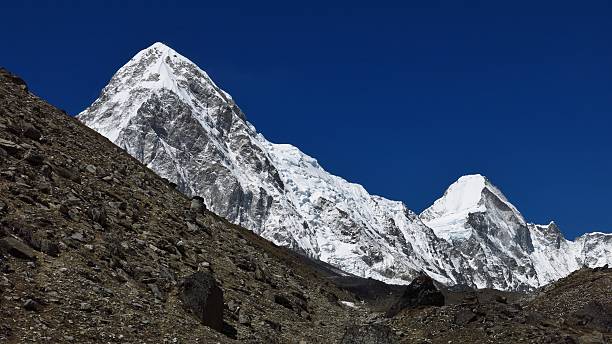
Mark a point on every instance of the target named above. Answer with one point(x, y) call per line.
point(153, 70)
point(166, 112)
point(469, 194)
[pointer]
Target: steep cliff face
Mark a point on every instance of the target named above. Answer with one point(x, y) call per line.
point(165, 111)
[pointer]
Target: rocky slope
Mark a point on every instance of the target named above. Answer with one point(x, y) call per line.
point(167, 112)
point(96, 248)
point(576, 310)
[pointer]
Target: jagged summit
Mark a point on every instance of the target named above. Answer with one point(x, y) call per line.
point(152, 72)
point(469, 194)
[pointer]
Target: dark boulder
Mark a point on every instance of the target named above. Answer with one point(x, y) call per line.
point(31, 132)
point(17, 248)
point(464, 316)
point(421, 292)
point(67, 173)
point(34, 158)
point(283, 301)
point(245, 263)
point(10, 147)
point(201, 294)
point(32, 305)
point(368, 334)
point(98, 215)
point(197, 205)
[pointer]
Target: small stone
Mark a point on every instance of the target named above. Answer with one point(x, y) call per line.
point(91, 169)
point(73, 214)
point(192, 227)
point(5, 283)
point(78, 236)
point(156, 292)
point(204, 266)
point(32, 305)
point(86, 307)
point(501, 299)
point(283, 301)
point(98, 215)
point(233, 306)
point(67, 173)
point(243, 318)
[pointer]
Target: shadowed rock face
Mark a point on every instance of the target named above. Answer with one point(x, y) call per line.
point(202, 295)
point(422, 292)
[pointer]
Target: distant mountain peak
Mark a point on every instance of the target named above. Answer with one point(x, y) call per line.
point(470, 194)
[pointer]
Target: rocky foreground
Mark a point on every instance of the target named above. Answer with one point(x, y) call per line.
point(96, 248)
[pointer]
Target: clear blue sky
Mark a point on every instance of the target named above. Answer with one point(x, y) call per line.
point(403, 99)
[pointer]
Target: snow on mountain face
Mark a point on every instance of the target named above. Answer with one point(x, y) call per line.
point(165, 111)
point(478, 220)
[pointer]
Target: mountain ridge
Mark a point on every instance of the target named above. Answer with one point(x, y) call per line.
point(195, 135)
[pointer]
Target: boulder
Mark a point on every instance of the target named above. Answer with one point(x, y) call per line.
point(197, 205)
point(17, 248)
point(283, 301)
point(34, 158)
point(10, 147)
point(421, 292)
point(201, 294)
point(464, 316)
point(67, 173)
point(32, 305)
point(98, 215)
point(31, 132)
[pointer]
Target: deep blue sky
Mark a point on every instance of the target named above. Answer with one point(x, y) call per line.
point(403, 99)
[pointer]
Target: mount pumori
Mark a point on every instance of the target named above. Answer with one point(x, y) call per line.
point(167, 112)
